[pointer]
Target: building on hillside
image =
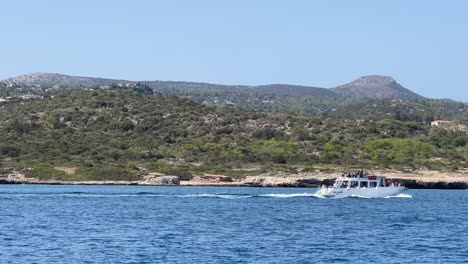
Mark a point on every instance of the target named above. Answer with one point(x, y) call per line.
point(463, 128)
point(31, 97)
point(450, 125)
point(229, 104)
point(440, 123)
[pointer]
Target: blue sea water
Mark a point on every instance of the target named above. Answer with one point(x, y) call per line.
point(134, 224)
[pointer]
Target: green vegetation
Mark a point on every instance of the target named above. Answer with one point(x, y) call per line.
point(421, 110)
point(122, 134)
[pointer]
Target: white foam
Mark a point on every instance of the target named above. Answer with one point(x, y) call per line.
point(321, 196)
point(286, 195)
point(213, 195)
point(241, 196)
point(359, 196)
point(401, 195)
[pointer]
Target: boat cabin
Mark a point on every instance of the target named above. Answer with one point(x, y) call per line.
point(362, 181)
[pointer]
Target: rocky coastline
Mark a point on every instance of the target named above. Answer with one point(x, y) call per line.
point(415, 180)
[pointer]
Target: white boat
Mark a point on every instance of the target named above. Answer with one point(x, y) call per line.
point(361, 185)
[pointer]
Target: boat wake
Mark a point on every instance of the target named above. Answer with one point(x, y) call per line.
point(286, 195)
point(358, 196)
point(163, 195)
point(214, 195)
point(230, 196)
point(241, 196)
point(401, 195)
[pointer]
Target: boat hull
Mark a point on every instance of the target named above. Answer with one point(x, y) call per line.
point(379, 192)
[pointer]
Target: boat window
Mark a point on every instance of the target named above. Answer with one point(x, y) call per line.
point(354, 184)
point(344, 184)
point(372, 184)
point(363, 184)
point(382, 183)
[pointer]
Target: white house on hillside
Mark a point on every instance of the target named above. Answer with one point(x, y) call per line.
point(450, 125)
point(440, 123)
point(463, 128)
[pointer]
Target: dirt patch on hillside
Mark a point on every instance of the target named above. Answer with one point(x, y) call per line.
point(67, 170)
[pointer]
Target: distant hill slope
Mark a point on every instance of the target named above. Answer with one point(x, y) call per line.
point(55, 79)
point(375, 87)
point(276, 89)
point(43, 79)
point(369, 97)
point(424, 110)
point(295, 90)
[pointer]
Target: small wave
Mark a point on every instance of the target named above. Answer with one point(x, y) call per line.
point(82, 194)
point(145, 193)
point(65, 193)
point(41, 193)
point(116, 195)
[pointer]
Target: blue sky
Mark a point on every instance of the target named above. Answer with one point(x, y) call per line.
point(422, 44)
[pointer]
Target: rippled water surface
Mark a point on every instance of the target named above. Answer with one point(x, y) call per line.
point(123, 224)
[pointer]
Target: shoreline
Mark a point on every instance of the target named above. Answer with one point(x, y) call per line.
point(422, 179)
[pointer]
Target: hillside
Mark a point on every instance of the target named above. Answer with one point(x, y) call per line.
point(421, 110)
point(48, 80)
point(115, 135)
point(371, 97)
point(375, 87)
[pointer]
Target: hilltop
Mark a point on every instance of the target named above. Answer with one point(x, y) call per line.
point(375, 87)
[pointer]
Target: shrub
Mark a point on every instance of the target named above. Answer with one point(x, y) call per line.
point(106, 172)
point(45, 172)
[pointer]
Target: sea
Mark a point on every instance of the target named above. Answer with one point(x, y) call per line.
point(135, 224)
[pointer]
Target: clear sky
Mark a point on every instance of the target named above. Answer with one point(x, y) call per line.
point(422, 44)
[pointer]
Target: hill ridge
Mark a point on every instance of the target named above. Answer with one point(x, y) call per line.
point(371, 86)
